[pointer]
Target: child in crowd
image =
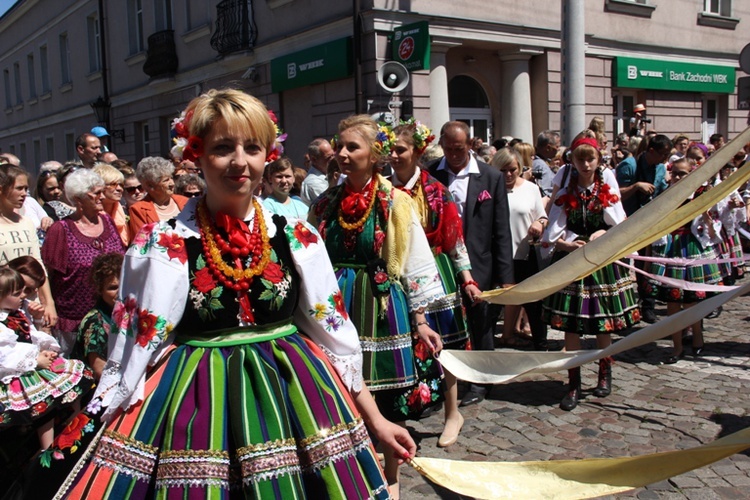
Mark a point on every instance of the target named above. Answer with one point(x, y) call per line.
point(34, 380)
point(279, 175)
point(33, 276)
point(93, 334)
point(694, 240)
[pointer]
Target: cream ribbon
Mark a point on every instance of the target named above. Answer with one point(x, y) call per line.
point(497, 367)
point(664, 215)
point(572, 479)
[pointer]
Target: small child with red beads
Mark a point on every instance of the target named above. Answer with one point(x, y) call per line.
point(35, 380)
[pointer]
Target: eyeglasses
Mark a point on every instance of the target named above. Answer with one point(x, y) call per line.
point(192, 194)
point(115, 184)
point(133, 189)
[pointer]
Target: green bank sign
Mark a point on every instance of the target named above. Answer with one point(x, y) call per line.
point(322, 63)
point(411, 45)
point(629, 72)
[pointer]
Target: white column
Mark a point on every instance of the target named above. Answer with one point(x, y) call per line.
point(516, 97)
point(439, 106)
point(573, 75)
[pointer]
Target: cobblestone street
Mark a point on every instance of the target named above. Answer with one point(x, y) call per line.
point(653, 408)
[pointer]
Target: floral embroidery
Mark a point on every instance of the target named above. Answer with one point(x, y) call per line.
point(303, 235)
point(149, 326)
point(333, 314)
point(123, 311)
point(205, 292)
point(69, 438)
point(277, 281)
point(145, 238)
point(174, 245)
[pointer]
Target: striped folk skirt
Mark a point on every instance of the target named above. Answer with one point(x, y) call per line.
point(603, 302)
point(384, 328)
point(448, 318)
point(682, 244)
point(35, 394)
point(269, 419)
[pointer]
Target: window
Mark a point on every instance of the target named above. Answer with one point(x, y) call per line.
point(196, 12)
point(95, 60)
point(146, 139)
point(135, 26)
point(710, 118)
point(6, 80)
point(638, 8)
point(622, 112)
point(70, 145)
point(32, 76)
point(49, 148)
point(44, 67)
point(719, 7)
point(22, 154)
point(17, 81)
point(163, 14)
point(37, 145)
point(64, 58)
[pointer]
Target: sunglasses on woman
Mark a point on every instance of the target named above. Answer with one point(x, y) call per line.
point(133, 189)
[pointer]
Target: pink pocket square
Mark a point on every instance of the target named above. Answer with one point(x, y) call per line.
point(484, 196)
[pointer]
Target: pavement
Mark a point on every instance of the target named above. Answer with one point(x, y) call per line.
point(653, 408)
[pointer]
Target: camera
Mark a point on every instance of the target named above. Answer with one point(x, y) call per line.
point(645, 120)
point(537, 174)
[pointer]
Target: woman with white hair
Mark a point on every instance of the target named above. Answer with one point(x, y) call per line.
point(70, 248)
point(160, 203)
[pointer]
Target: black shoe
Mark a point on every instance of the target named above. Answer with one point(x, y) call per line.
point(604, 384)
point(698, 351)
point(674, 359)
point(649, 316)
point(570, 400)
point(715, 313)
point(471, 398)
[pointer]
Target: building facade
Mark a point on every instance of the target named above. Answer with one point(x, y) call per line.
point(496, 65)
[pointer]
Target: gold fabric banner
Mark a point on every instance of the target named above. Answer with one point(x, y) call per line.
point(497, 367)
point(663, 215)
point(573, 479)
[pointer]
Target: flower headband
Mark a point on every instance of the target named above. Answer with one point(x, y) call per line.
point(384, 141)
point(190, 147)
point(422, 136)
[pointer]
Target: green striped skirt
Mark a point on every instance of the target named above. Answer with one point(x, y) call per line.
point(238, 418)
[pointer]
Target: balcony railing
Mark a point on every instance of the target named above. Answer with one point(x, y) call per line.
point(235, 28)
point(161, 60)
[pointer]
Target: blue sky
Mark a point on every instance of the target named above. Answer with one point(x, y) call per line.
point(5, 5)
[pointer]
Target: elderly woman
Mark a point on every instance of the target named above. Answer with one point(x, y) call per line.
point(385, 268)
point(113, 189)
point(189, 186)
point(71, 246)
point(160, 203)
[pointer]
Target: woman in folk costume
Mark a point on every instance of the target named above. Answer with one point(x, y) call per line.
point(697, 240)
point(384, 266)
point(236, 370)
point(439, 217)
point(604, 301)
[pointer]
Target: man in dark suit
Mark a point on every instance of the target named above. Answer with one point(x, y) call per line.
point(479, 192)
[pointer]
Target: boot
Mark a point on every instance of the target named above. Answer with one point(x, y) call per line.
point(570, 400)
point(604, 386)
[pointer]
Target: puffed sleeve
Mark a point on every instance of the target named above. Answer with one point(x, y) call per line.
point(16, 358)
point(615, 213)
point(321, 312)
point(557, 227)
point(153, 289)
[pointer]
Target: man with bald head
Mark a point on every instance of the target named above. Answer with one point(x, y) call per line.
point(320, 153)
point(479, 192)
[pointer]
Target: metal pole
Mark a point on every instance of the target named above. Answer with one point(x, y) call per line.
point(573, 117)
point(103, 50)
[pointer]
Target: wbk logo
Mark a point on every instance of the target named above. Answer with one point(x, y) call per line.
point(632, 72)
point(291, 70)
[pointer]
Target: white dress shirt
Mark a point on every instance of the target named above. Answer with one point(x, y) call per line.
point(458, 184)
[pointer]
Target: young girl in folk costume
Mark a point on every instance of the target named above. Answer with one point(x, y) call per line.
point(695, 240)
point(97, 325)
point(439, 217)
point(385, 268)
point(34, 380)
point(33, 276)
point(260, 392)
point(603, 302)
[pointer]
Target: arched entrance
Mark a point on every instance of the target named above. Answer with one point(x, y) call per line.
point(469, 104)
